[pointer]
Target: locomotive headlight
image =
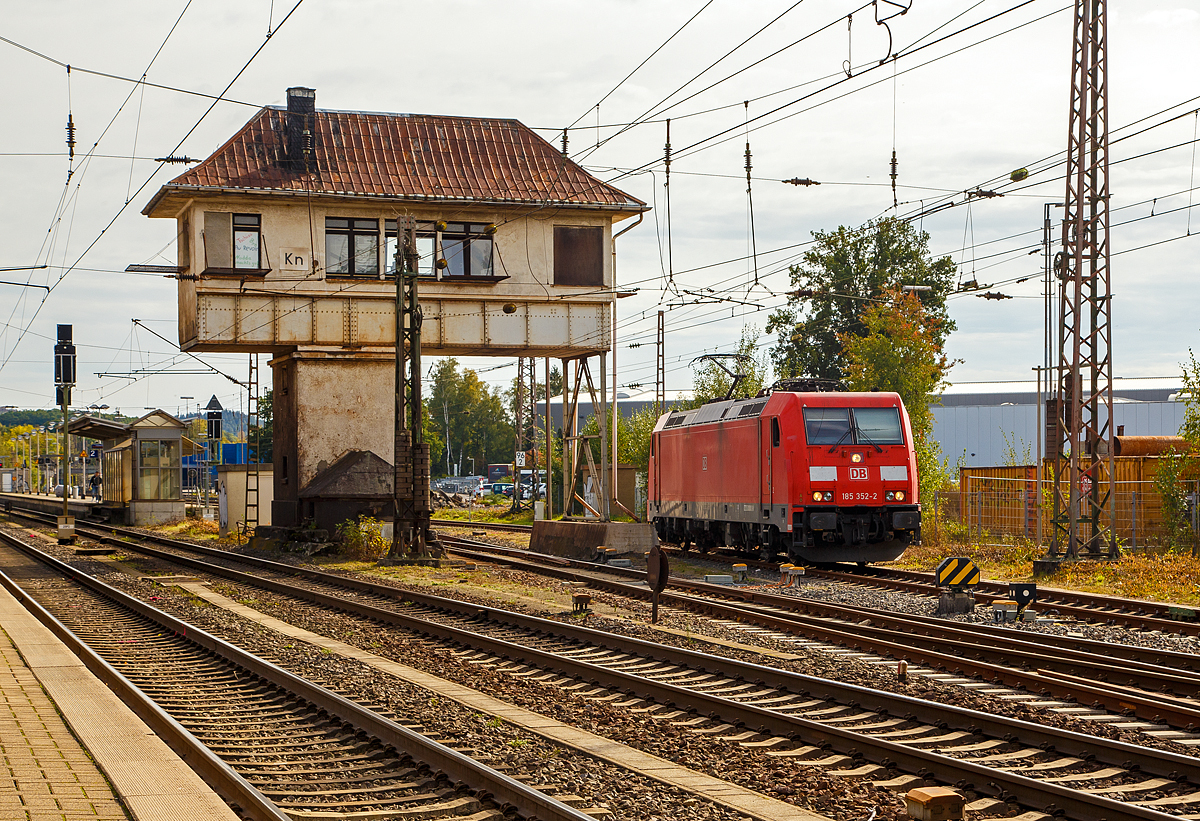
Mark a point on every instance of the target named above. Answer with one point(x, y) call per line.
point(899, 495)
point(829, 496)
point(817, 496)
point(890, 496)
point(856, 457)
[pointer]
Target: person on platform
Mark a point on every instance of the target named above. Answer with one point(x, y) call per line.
point(94, 486)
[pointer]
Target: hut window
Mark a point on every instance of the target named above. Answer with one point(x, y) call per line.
point(158, 469)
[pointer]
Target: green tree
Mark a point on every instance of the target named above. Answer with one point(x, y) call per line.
point(901, 351)
point(842, 275)
point(471, 421)
point(710, 381)
point(265, 432)
point(1177, 472)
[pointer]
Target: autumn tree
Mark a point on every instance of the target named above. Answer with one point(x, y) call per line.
point(836, 284)
point(902, 351)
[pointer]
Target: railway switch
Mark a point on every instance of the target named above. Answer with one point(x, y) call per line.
point(934, 804)
point(1004, 610)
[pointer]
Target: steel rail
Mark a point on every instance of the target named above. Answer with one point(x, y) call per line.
point(944, 768)
point(1130, 612)
point(507, 792)
point(1150, 706)
point(234, 789)
point(907, 623)
point(1081, 605)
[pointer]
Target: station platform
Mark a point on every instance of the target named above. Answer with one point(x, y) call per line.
point(45, 503)
point(70, 750)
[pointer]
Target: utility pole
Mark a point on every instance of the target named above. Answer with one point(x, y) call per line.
point(1085, 508)
point(660, 369)
point(64, 380)
point(519, 456)
point(412, 541)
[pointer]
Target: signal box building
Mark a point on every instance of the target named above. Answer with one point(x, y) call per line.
point(286, 242)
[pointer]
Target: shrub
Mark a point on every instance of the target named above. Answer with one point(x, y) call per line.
point(362, 539)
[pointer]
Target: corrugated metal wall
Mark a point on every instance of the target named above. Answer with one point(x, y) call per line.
point(975, 434)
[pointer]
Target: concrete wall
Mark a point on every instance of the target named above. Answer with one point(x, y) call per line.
point(326, 405)
point(143, 512)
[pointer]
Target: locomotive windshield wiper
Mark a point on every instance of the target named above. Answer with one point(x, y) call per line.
point(841, 439)
point(862, 435)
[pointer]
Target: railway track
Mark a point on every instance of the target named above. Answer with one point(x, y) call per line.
point(1091, 607)
point(283, 747)
point(852, 731)
point(1154, 684)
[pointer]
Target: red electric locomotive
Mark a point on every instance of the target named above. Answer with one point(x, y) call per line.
point(821, 477)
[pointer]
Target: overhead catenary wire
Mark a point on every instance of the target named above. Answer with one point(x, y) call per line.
point(124, 205)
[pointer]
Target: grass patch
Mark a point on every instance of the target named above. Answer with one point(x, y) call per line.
point(1156, 576)
point(498, 514)
point(191, 528)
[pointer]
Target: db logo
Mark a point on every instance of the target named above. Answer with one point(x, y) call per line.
point(858, 474)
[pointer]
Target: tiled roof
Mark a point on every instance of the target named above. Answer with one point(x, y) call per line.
point(407, 156)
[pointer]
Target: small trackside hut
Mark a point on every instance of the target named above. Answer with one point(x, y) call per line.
point(820, 477)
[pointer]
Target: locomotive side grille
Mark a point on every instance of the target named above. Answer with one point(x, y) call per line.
point(675, 420)
point(753, 409)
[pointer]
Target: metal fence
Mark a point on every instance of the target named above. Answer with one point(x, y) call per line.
point(991, 506)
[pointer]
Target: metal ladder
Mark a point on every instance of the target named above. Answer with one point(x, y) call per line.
point(252, 429)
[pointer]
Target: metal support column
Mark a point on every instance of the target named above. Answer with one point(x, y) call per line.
point(412, 540)
point(660, 370)
point(1085, 508)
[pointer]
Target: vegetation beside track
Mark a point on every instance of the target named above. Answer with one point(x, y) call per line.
point(1159, 576)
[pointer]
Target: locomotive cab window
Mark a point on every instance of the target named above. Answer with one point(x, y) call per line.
point(826, 426)
point(880, 426)
point(853, 426)
point(774, 431)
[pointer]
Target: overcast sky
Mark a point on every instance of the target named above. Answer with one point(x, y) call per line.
point(964, 120)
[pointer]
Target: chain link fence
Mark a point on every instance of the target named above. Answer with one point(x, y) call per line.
point(988, 506)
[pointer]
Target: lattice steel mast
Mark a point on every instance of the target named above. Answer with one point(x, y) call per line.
point(1085, 506)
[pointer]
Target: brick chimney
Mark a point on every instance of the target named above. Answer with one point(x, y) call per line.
point(301, 128)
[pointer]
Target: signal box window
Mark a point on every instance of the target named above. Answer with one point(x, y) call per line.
point(247, 241)
point(467, 249)
point(426, 248)
point(233, 244)
point(351, 247)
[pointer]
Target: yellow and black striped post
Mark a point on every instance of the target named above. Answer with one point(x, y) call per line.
point(957, 572)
